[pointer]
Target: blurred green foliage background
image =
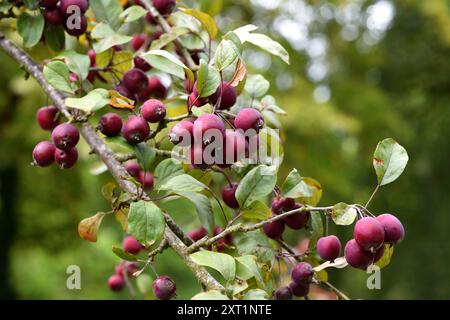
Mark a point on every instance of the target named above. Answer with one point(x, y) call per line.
point(360, 71)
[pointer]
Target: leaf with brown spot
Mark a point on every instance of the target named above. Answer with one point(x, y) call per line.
point(239, 74)
point(118, 101)
point(88, 228)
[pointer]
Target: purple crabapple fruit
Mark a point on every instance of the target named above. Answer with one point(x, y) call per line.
point(48, 3)
point(164, 288)
point(53, 16)
point(206, 126)
point(65, 136)
point(146, 179)
point(64, 5)
point(182, 133)
point(229, 195)
point(298, 220)
point(135, 80)
point(44, 154)
point(197, 234)
point(283, 293)
point(393, 228)
point(280, 205)
point(141, 64)
point(116, 282)
point(227, 95)
point(164, 7)
point(138, 40)
point(150, 18)
point(75, 29)
point(274, 230)
point(153, 111)
point(195, 101)
point(66, 159)
point(249, 118)
point(356, 256)
point(196, 158)
point(329, 248)
point(228, 239)
point(299, 289)
point(156, 88)
point(110, 124)
point(136, 130)
point(131, 245)
point(128, 267)
point(235, 146)
point(46, 117)
point(369, 233)
point(120, 88)
point(132, 167)
point(302, 273)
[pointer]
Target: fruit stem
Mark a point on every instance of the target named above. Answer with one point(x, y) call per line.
point(372, 196)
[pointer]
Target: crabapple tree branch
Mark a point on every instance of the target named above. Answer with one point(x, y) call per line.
point(107, 156)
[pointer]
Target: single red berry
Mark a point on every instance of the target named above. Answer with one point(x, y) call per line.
point(164, 7)
point(393, 228)
point(227, 95)
point(110, 124)
point(131, 245)
point(47, 117)
point(65, 136)
point(229, 195)
point(298, 220)
point(156, 88)
point(48, 3)
point(66, 159)
point(132, 167)
point(150, 19)
point(195, 101)
point(128, 267)
point(249, 119)
point(65, 6)
point(302, 273)
point(356, 256)
point(299, 289)
point(135, 80)
point(153, 111)
point(164, 288)
point(329, 248)
point(53, 16)
point(283, 293)
point(228, 239)
point(274, 229)
point(135, 130)
point(197, 234)
point(207, 127)
point(44, 154)
point(138, 41)
point(141, 64)
point(116, 282)
point(146, 179)
point(369, 233)
point(120, 88)
point(182, 133)
point(77, 26)
point(235, 146)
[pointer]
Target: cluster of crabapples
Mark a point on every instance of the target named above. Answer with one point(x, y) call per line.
point(163, 287)
point(67, 13)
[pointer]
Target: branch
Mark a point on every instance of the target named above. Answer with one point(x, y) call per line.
point(107, 156)
point(166, 28)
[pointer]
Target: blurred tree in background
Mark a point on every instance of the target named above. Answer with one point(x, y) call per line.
point(360, 71)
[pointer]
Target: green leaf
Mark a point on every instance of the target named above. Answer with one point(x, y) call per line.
point(254, 243)
point(226, 54)
point(317, 228)
point(122, 254)
point(110, 41)
point(257, 183)
point(55, 37)
point(167, 38)
point(257, 210)
point(107, 11)
point(210, 295)
point(203, 206)
point(315, 198)
point(221, 262)
point(145, 155)
point(119, 62)
point(256, 85)
point(102, 30)
point(166, 170)
point(133, 13)
point(93, 101)
point(57, 75)
point(386, 258)
point(256, 294)
point(31, 4)
point(166, 62)
point(389, 161)
point(198, 111)
point(343, 214)
point(30, 28)
point(205, 19)
point(77, 63)
point(146, 222)
point(211, 7)
point(295, 187)
point(183, 182)
point(208, 79)
point(267, 44)
point(88, 228)
point(247, 268)
point(244, 32)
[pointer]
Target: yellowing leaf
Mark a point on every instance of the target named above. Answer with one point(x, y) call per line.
point(206, 20)
point(88, 228)
point(118, 101)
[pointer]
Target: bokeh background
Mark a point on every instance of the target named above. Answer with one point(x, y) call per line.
point(360, 71)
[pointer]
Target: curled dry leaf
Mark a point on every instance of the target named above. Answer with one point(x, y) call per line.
point(88, 228)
